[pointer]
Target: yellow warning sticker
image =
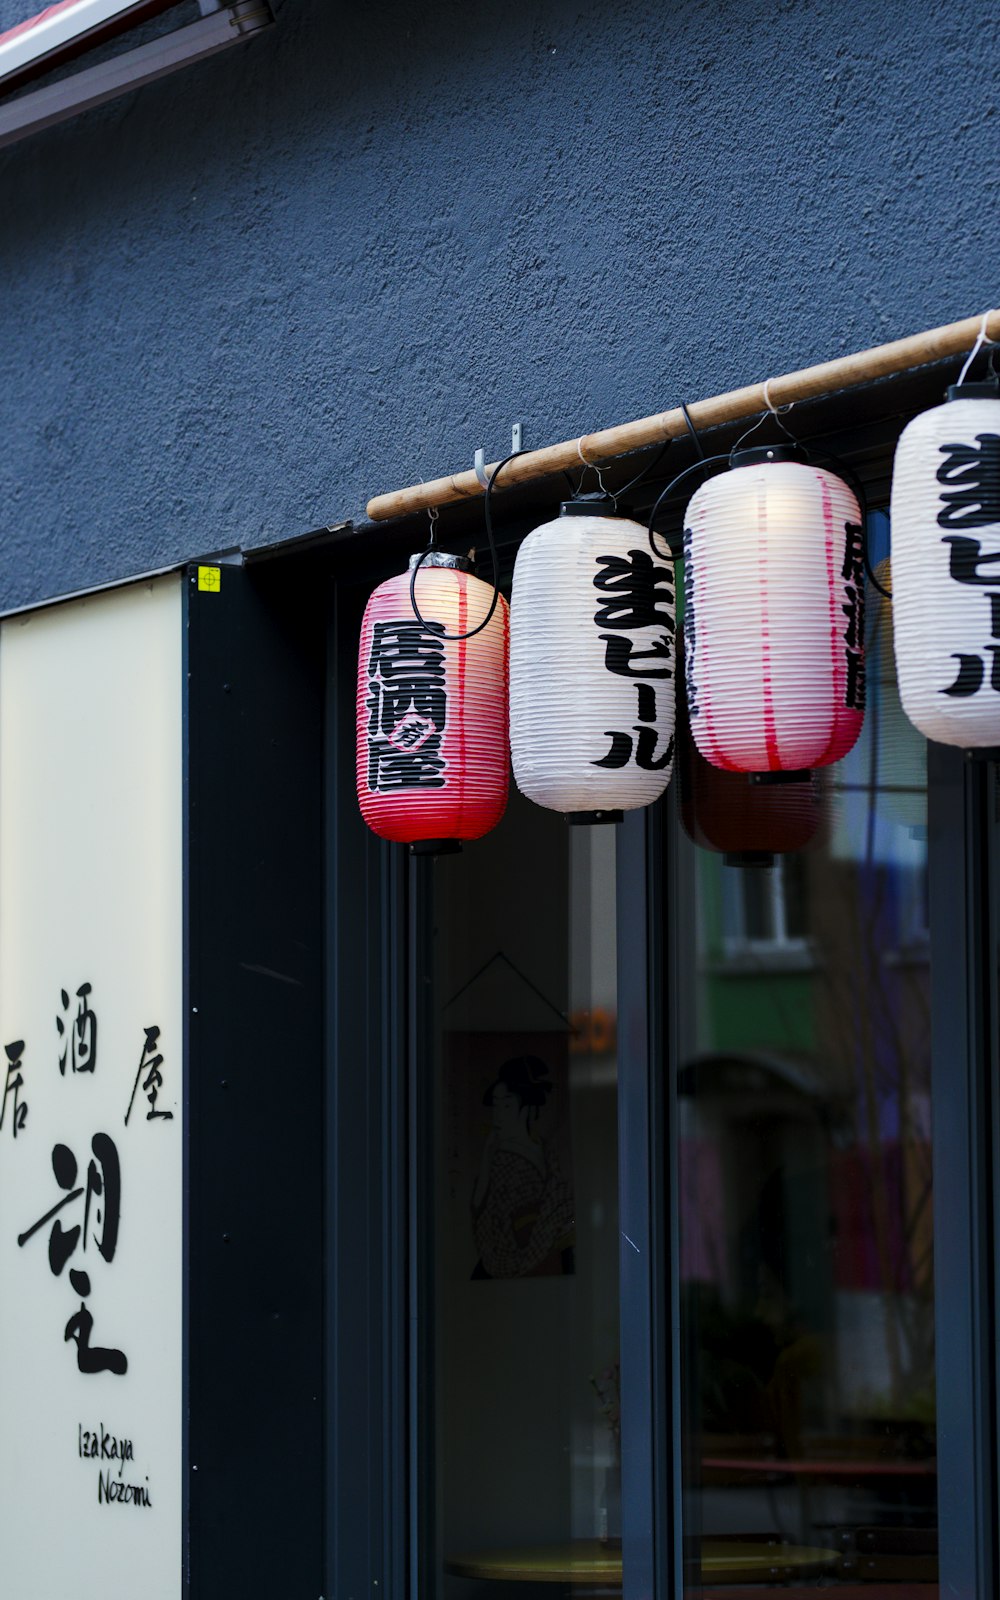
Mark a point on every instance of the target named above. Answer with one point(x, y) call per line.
point(210, 579)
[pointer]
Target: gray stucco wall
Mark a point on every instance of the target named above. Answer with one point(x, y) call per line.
point(242, 300)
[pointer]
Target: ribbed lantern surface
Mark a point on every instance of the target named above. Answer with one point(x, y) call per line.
point(774, 617)
point(945, 515)
point(591, 664)
point(432, 759)
point(733, 814)
point(728, 813)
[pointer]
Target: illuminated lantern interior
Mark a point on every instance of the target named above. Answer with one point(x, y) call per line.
point(774, 615)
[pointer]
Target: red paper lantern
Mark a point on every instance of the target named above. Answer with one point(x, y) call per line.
point(432, 753)
point(774, 618)
point(747, 821)
point(746, 817)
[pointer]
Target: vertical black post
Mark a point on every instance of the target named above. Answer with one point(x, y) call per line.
point(255, 1491)
point(366, 1174)
point(963, 1024)
point(648, 1337)
point(423, 1563)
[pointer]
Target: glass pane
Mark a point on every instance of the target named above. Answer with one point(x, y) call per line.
point(526, 1412)
point(802, 1029)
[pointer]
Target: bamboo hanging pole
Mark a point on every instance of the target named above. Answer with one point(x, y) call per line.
point(884, 361)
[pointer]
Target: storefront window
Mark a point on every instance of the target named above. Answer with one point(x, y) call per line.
point(806, 1267)
point(526, 1416)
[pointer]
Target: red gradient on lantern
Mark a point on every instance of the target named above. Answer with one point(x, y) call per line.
point(777, 650)
point(432, 740)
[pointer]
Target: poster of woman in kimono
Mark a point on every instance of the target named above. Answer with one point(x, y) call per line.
point(509, 1153)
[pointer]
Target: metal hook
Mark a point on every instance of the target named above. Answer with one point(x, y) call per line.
point(479, 459)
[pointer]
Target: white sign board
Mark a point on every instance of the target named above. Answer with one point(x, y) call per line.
point(91, 1071)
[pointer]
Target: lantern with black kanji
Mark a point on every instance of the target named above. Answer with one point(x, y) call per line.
point(945, 518)
point(774, 615)
point(432, 758)
point(591, 664)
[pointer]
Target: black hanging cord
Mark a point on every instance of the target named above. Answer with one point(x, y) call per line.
point(693, 431)
point(456, 638)
point(651, 466)
point(696, 466)
point(633, 483)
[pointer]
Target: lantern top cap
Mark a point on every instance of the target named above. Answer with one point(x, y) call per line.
point(762, 455)
point(988, 389)
point(589, 505)
point(441, 558)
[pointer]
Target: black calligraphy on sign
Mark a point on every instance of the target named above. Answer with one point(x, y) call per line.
point(853, 574)
point(90, 1358)
point(77, 1034)
point(407, 706)
point(971, 475)
point(99, 1226)
point(150, 1063)
point(971, 499)
point(636, 592)
point(13, 1084)
point(690, 631)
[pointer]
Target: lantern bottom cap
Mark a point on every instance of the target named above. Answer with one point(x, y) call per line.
point(583, 819)
point(748, 858)
point(798, 775)
point(435, 847)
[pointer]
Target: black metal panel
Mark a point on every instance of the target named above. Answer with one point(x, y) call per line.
point(366, 1178)
point(254, 1491)
point(424, 1555)
point(963, 1051)
point(648, 1328)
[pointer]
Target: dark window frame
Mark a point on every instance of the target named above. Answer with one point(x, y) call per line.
point(380, 1510)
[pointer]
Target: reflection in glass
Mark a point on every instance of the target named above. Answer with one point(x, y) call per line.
point(806, 1270)
point(527, 1424)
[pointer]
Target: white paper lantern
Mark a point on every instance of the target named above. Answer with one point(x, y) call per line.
point(946, 568)
point(774, 615)
point(592, 625)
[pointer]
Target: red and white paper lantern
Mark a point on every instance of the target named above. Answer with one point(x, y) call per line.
point(591, 664)
point(432, 759)
point(774, 615)
point(733, 814)
point(945, 516)
point(746, 821)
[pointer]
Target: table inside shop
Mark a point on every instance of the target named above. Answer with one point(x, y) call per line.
point(849, 1591)
point(818, 1469)
point(589, 1563)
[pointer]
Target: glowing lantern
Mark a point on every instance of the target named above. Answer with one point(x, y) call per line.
point(591, 664)
point(432, 761)
point(945, 516)
point(774, 615)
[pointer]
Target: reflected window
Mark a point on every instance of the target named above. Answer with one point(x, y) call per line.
point(527, 1418)
point(806, 1263)
point(764, 908)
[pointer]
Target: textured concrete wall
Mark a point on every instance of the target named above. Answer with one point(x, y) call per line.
point(333, 261)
